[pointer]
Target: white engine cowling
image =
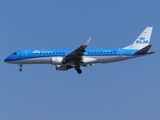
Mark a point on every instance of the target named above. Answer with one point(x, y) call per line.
point(61, 67)
point(56, 60)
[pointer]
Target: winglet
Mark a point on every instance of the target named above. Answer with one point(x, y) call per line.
point(88, 41)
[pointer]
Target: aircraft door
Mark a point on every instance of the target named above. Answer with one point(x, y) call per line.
point(120, 52)
point(24, 54)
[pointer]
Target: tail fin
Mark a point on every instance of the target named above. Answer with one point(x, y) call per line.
point(142, 41)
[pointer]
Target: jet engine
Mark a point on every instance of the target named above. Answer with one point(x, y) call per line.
point(56, 60)
point(63, 67)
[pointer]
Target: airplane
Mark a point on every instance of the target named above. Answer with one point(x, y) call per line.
point(67, 59)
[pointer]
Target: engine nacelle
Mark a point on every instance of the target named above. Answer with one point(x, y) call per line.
point(63, 67)
point(56, 60)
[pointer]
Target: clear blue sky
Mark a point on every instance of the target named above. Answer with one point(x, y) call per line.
point(128, 90)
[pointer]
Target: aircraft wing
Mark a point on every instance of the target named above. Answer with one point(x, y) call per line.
point(76, 55)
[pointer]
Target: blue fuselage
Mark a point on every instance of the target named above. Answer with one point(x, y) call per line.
point(44, 56)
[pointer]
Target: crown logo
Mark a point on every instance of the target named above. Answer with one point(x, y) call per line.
point(142, 38)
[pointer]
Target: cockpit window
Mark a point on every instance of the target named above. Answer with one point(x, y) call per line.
point(14, 53)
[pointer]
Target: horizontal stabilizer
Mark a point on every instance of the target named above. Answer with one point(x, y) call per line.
point(144, 50)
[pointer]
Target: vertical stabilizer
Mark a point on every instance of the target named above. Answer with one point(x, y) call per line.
point(142, 41)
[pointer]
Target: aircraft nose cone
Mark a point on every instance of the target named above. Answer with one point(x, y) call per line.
point(6, 60)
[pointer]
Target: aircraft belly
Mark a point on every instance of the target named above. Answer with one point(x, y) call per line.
point(41, 60)
point(108, 59)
